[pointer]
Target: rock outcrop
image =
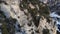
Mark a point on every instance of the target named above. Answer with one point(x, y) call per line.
point(26, 17)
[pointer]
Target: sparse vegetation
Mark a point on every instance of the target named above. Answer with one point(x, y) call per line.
point(45, 31)
point(43, 9)
point(7, 24)
point(4, 29)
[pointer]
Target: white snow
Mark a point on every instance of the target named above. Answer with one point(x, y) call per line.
point(44, 1)
point(55, 16)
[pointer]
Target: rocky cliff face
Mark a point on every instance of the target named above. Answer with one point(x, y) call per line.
point(26, 17)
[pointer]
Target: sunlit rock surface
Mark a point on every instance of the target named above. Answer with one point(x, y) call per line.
point(27, 17)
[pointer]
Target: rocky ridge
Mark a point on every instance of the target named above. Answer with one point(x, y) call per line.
point(32, 17)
